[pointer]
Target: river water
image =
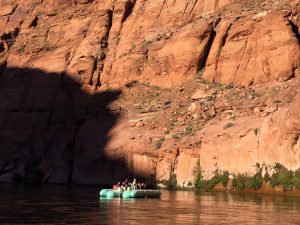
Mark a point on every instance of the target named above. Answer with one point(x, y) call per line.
point(51, 204)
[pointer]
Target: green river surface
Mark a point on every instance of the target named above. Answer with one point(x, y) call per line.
point(55, 204)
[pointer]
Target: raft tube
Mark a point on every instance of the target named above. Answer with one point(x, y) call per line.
point(110, 193)
point(145, 194)
point(103, 192)
point(126, 194)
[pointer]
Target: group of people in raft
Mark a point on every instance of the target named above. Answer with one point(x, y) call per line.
point(126, 186)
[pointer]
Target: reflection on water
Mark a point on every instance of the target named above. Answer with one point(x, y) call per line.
point(80, 205)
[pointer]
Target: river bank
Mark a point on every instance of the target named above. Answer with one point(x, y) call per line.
point(266, 189)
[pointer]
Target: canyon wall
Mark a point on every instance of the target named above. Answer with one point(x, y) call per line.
point(95, 91)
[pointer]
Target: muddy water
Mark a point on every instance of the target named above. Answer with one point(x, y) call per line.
point(80, 205)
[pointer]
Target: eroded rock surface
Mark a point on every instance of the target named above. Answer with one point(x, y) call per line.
point(252, 52)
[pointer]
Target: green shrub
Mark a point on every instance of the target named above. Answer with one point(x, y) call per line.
point(267, 177)
point(257, 181)
point(146, 84)
point(296, 182)
point(133, 46)
point(296, 179)
point(210, 184)
point(217, 178)
point(297, 173)
point(256, 94)
point(188, 131)
point(285, 179)
point(174, 136)
point(224, 178)
point(21, 50)
point(219, 86)
point(199, 75)
point(228, 86)
point(146, 43)
point(159, 143)
point(241, 182)
point(282, 176)
point(172, 182)
point(171, 126)
point(228, 125)
point(200, 183)
point(198, 180)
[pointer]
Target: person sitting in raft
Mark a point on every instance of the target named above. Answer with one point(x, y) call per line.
point(143, 186)
point(115, 187)
point(134, 184)
point(125, 186)
point(139, 186)
point(120, 190)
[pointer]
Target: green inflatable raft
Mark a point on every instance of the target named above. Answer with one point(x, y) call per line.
point(110, 193)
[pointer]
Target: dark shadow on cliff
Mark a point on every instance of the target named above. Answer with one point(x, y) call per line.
point(53, 131)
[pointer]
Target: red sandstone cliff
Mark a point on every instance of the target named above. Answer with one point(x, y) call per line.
point(62, 62)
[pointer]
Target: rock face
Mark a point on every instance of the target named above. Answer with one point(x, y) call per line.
point(274, 139)
point(252, 52)
point(164, 43)
point(281, 132)
point(64, 119)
